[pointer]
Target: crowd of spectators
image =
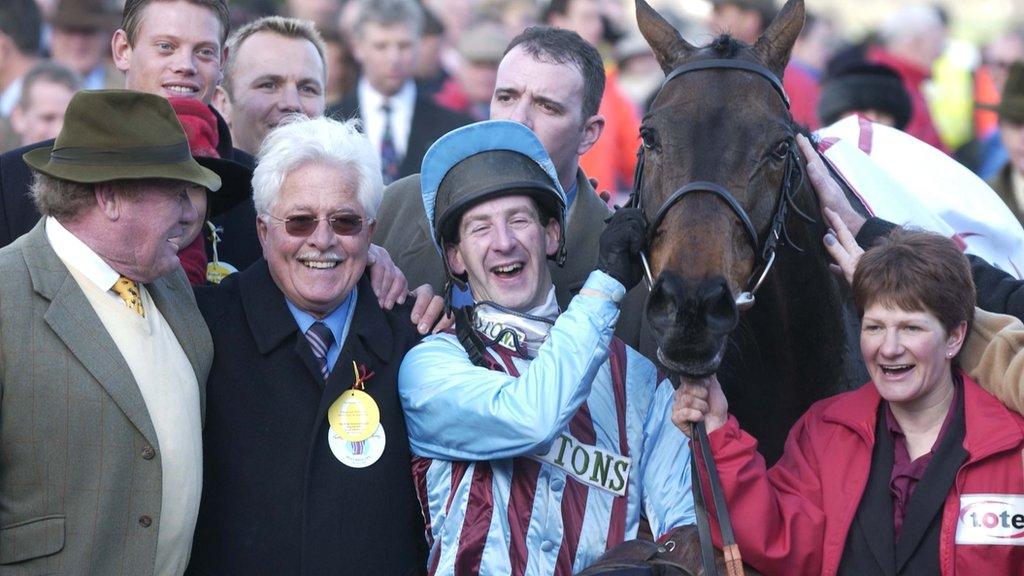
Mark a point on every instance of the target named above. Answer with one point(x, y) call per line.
point(902, 73)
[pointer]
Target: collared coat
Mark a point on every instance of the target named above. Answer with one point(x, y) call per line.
point(80, 464)
point(795, 518)
point(275, 498)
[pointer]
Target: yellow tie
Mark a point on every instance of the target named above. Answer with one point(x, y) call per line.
point(128, 290)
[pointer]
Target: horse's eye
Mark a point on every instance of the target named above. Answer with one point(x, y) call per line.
point(649, 137)
point(781, 149)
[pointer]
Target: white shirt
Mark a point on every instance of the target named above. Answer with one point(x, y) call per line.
point(402, 104)
point(9, 97)
point(72, 250)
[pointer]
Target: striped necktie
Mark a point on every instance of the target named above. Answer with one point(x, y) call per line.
point(388, 153)
point(128, 290)
point(320, 340)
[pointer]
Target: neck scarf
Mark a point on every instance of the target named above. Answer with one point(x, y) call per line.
point(521, 332)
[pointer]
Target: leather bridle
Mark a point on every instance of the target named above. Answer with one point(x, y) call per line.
point(792, 180)
point(765, 253)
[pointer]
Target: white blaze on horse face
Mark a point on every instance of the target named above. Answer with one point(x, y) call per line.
point(547, 98)
point(503, 247)
point(908, 355)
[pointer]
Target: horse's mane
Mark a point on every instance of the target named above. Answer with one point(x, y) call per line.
point(725, 46)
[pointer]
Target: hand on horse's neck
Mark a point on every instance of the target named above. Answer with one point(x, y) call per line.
point(921, 423)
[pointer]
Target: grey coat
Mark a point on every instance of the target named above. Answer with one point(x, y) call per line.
point(80, 466)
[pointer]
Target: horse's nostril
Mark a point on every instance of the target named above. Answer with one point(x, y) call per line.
point(719, 306)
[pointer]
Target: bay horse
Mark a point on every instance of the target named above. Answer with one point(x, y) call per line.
point(741, 283)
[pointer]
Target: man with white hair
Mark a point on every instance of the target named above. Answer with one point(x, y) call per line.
point(913, 38)
point(306, 456)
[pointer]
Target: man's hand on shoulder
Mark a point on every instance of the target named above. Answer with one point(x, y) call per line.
point(388, 282)
point(428, 311)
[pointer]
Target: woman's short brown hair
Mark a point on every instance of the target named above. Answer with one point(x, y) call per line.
point(919, 271)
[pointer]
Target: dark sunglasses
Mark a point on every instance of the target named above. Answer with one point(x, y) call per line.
point(304, 225)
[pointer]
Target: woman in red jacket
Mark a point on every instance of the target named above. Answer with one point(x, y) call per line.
point(921, 472)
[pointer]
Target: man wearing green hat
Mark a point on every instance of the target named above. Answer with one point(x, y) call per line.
point(539, 440)
point(1009, 181)
point(102, 350)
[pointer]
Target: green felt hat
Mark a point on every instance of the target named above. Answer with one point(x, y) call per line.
point(120, 135)
point(1011, 105)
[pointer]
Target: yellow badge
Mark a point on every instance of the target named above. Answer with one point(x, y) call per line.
point(217, 271)
point(354, 416)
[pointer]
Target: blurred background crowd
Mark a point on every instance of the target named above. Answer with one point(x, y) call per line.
point(936, 70)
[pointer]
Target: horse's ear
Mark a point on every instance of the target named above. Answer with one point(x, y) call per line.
point(666, 43)
point(777, 41)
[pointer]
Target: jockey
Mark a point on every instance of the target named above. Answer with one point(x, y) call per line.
point(539, 440)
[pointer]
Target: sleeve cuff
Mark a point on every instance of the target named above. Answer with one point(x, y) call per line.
point(604, 284)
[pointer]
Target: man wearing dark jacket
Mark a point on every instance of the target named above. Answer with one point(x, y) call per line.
point(306, 460)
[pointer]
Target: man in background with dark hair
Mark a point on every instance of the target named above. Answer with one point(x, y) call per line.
point(551, 81)
point(612, 159)
point(20, 23)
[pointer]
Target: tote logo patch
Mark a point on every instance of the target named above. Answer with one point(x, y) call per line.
point(589, 464)
point(991, 519)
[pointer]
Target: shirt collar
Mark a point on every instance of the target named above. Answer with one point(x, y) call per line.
point(338, 320)
point(76, 254)
point(403, 100)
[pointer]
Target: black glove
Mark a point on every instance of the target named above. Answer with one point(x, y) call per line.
point(623, 238)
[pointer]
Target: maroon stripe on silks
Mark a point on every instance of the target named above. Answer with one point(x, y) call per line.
point(457, 472)
point(582, 426)
point(617, 521)
point(420, 465)
point(520, 509)
point(574, 507)
point(506, 359)
point(864, 138)
point(476, 523)
point(574, 498)
point(825, 143)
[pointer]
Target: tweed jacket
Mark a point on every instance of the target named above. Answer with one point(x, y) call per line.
point(80, 465)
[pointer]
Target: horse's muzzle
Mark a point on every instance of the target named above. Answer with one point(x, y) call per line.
point(691, 319)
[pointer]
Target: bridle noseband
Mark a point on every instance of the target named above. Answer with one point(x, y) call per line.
point(792, 180)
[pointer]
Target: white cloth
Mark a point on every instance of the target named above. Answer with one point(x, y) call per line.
point(402, 104)
point(9, 97)
point(168, 386)
point(906, 181)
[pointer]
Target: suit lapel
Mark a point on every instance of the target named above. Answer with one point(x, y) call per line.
point(930, 493)
point(74, 321)
point(876, 504)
